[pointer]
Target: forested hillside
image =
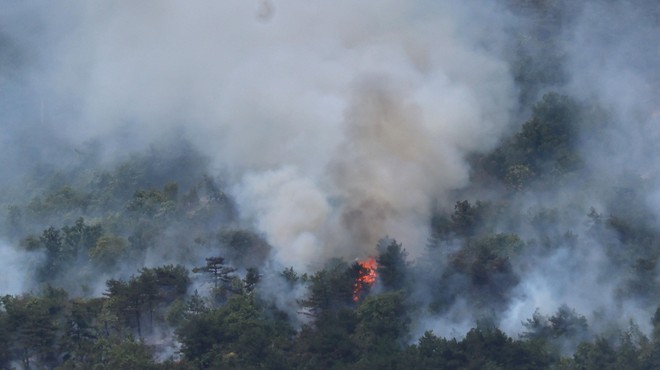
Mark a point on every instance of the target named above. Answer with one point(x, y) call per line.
point(378, 185)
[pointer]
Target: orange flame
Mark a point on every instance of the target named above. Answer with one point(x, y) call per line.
point(366, 278)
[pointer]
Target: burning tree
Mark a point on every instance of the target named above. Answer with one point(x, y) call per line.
point(365, 272)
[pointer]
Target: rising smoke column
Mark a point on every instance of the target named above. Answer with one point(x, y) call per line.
point(338, 123)
point(366, 109)
point(406, 123)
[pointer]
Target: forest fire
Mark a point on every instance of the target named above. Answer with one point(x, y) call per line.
point(366, 276)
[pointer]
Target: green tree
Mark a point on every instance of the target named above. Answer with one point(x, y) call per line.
point(64, 204)
point(80, 237)
point(108, 250)
point(518, 177)
point(392, 264)
point(125, 303)
point(432, 352)
point(130, 300)
point(81, 332)
point(465, 219)
point(331, 288)
point(251, 279)
point(290, 275)
point(225, 282)
point(51, 240)
point(489, 347)
point(172, 281)
point(544, 148)
point(6, 335)
point(486, 261)
point(559, 333)
point(235, 336)
point(382, 323)
point(124, 353)
point(597, 355)
point(32, 324)
point(244, 247)
point(148, 203)
point(216, 269)
point(328, 343)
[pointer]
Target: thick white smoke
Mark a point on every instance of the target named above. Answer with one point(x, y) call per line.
point(358, 114)
point(16, 266)
point(338, 122)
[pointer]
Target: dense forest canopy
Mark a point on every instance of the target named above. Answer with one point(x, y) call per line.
point(357, 185)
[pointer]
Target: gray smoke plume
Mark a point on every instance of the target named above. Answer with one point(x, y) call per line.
point(340, 123)
point(365, 115)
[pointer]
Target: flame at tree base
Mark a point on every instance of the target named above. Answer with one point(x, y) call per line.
point(366, 278)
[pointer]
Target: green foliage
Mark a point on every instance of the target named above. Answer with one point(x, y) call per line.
point(438, 353)
point(236, 335)
point(107, 252)
point(143, 235)
point(30, 324)
point(244, 247)
point(566, 322)
point(492, 348)
point(63, 247)
point(466, 221)
point(55, 255)
point(518, 177)
point(80, 237)
point(206, 201)
point(290, 275)
point(175, 167)
point(466, 218)
point(329, 343)
point(131, 300)
point(382, 323)
point(480, 349)
point(559, 333)
point(64, 203)
point(331, 288)
point(596, 355)
point(152, 203)
point(487, 263)
point(114, 353)
point(51, 330)
point(251, 279)
point(392, 264)
point(81, 332)
point(221, 275)
point(546, 142)
point(5, 340)
point(544, 149)
point(172, 281)
point(184, 309)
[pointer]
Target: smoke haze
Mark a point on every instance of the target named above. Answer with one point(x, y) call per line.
point(372, 111)
point(337, 124)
